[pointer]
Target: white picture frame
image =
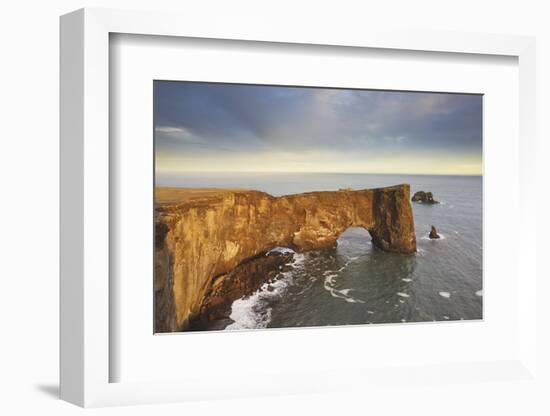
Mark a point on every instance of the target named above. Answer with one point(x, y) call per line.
point(85, 355)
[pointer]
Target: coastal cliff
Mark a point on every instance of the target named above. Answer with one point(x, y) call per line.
point(202, 235)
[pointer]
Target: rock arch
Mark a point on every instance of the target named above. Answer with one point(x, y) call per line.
point(209, 233)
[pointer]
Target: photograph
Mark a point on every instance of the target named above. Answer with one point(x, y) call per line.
point(279, 206)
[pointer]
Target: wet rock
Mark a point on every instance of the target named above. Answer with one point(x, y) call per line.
point(424, 198)
point(433, 233)
point(247, 278)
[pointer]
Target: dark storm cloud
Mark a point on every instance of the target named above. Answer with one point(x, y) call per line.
point(211, 118)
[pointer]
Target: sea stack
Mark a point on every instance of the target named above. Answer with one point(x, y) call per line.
point(424, 198)
point(433, 233)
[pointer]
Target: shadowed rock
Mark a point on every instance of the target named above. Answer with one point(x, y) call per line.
point(433, 233)
point(243, 280)
point(424, 197)
point(208, 234)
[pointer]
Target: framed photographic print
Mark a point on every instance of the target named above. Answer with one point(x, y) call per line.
point(327, 198)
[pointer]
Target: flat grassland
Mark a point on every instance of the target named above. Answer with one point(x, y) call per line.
point(168, 195)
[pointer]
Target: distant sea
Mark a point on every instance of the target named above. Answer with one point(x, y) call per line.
point(355, 283)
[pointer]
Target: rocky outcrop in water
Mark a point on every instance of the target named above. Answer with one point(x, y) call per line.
point(424, 197)
point(243, 280)
point(203, 236)
point(433, 233)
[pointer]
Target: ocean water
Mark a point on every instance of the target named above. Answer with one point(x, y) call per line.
point(355, 283)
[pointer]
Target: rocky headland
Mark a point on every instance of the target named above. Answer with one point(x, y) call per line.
point(212, 246)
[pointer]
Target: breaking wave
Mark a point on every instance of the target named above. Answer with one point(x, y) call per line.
point(254, 311)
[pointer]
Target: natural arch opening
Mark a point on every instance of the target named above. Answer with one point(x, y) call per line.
point(354, 240)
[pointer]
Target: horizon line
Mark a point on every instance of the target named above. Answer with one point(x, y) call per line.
point(321, 172)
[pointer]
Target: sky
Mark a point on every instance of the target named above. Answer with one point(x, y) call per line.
point(214, 127)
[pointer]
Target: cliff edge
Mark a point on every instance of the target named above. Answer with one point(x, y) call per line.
point(202, 234)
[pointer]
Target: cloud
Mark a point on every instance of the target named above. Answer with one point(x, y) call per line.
point(170, 130)
point(177, 133)
point(217, 118)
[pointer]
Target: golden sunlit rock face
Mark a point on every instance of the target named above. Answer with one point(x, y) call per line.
point(204, 234)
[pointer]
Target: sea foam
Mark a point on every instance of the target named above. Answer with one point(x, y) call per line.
point(253, 311)
point(441, 237)
point(342, 293)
